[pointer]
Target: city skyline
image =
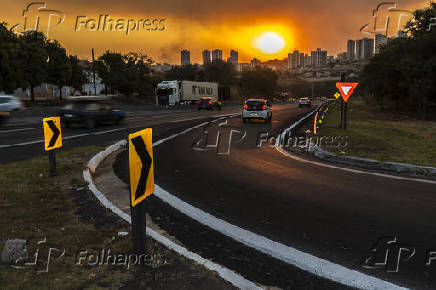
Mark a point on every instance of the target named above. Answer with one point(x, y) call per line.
point(190, 26)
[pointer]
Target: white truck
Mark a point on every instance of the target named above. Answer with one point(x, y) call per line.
point(178, 92)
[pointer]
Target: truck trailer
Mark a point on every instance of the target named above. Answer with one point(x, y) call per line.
point(177, 92)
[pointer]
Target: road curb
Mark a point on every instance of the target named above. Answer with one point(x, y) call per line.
point(225, 273)
point(366, 163)
point(289, 255)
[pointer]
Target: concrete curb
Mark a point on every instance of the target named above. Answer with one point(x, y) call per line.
point(366, 163)
point(225, 273)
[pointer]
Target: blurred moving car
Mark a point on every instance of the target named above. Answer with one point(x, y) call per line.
point(89, 112)
point(209, 103)
point(304, 102)
point(259, 109)
point(10, 103)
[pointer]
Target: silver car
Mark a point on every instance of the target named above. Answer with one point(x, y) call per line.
point(9, 103)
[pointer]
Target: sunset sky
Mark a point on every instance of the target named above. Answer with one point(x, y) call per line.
point(197, 25)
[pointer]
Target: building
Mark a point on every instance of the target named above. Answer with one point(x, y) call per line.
point(380, 40)
point(185, 57)
point(351, 49)
point(217, 55)
point(233, 59)
point(359, 46)
point(368, 48)
point(319, 57)
point(307, 60)
point(364, 48)
point(295, 60)
point(255, 62)
point(342, 56)
point(206, 57)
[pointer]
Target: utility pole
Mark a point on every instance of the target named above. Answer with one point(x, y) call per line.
point(93, 72)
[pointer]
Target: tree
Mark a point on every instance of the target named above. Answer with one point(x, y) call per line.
point(34, 55)
point(260, 82)
point(11, 66)
point(59, 70)
point(78, 76)
point(420, 24)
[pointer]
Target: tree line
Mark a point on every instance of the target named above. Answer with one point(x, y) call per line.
point(27, 60)
point(402, 77)
point(258, 81)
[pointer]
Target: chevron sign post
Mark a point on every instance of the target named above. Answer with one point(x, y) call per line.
point(52, 140)
point(141, 183)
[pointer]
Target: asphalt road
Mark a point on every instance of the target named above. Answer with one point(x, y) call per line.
point(330, 213)
point(20, 140)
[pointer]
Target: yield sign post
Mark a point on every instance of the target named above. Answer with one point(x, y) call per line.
point(346, 90)
point(52, 140)
point(141, 183)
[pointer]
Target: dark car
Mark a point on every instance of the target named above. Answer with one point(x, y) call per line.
point(304, 102)
point(89, 113)
point(209, 103)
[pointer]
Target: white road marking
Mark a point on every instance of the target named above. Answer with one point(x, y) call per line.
point(292, 256)
point(225, 273)
point(63, 138)
point(356, 171)
point(16, 130)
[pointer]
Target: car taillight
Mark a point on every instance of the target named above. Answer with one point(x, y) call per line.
point(263, 107)
point(245, 107)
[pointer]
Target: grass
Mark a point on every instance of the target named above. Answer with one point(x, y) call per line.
point(34, 206)
point(382, 136)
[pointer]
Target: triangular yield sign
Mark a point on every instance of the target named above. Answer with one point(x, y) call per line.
point(346, 89)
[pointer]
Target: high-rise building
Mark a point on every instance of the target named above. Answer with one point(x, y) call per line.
point(233, 57)
point(295, 59)
point(380, 40)
point(185, 57)
point(206, 57)
point(368, 47)
point(254, 62)
point(351, 49)
point(359, 45)
point(217, 55)
point(307, 60)
point(319, 57)
point(364, 48)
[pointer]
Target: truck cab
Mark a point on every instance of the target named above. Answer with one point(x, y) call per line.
point(168, 93)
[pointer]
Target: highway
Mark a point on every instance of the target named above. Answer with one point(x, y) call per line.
point(332, 214)
point(23, 140)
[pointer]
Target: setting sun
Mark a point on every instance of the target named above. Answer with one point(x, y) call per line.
point(270, 42)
